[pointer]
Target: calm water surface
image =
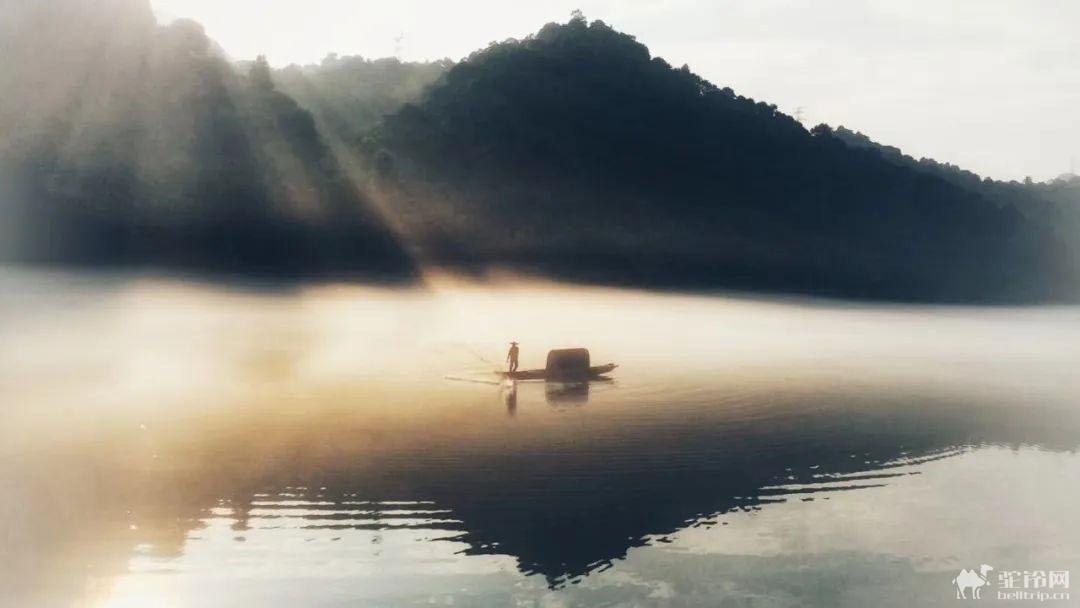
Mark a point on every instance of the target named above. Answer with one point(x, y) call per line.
point(178, 444)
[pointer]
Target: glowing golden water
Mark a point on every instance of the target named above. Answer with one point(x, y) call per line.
point(177, 444)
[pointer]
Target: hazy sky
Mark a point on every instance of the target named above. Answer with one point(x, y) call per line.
point(990, 85)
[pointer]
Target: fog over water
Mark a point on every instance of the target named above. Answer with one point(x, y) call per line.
point(176, 443)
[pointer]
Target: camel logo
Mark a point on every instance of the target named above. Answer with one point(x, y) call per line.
point(970, 579)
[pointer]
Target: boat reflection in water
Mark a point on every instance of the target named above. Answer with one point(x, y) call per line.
point(566, 393)
point(557, 394)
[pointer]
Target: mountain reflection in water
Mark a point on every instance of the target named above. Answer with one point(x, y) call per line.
point(176, 443)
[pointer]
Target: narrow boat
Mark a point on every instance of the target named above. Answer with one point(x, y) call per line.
point(591, 373)
point(569, 364)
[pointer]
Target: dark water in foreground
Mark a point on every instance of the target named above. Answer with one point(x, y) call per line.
point(177, 445)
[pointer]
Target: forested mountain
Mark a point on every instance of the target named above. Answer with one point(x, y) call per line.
point(574, 152)
point(350, 95)
point(1052, 201)
point(122, 142)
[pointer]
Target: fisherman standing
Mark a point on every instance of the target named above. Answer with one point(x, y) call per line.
point(512, 357)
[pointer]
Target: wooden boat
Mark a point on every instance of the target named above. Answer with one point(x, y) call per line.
point(592, 373)
point(564, 365)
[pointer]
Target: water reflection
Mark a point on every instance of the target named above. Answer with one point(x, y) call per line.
point(510, 398)
point(562, 502)
point(566, 393)
point(408, 488)
point(299, 509)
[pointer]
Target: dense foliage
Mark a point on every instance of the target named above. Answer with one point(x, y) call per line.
point(575, 152)
point(572, 153)
point(350, 95)
point(128, 143)
point(1054, 204)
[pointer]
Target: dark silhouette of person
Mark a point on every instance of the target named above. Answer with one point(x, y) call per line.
point(512, 357)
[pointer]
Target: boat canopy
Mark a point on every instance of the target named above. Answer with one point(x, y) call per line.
point(568, 362)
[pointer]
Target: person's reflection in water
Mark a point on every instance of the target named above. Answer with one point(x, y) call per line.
point(511, 399)
point(512, 357)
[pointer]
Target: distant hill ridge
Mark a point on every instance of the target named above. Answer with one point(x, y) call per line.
point(573, 153)
point(132, 144)
point(1035, 199)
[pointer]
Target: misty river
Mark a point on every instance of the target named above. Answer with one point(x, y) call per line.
point(179, 443)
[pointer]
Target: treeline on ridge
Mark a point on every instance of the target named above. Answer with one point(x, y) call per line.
point(572, 153)
point(131, 144)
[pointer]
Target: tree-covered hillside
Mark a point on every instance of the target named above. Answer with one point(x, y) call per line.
point(1055, 203)
point(573, 153)
point(122, 142)
point(577, 153)
point(350, 95)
